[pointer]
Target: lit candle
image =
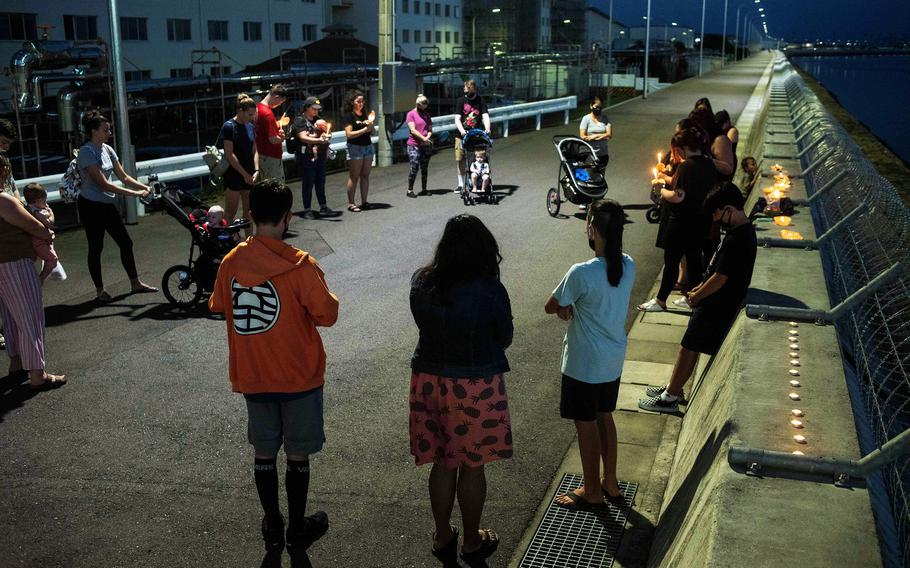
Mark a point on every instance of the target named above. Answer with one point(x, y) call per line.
point(794, 346)
point(796, 412)
point(659, 157)
point(796, 423)
point(794, 354)
point(799, 439)
point(794, 362)
point(798, 453)
point(793, 324)
point(794, 396)
point(794, 372)
point(791, 235)
point(782, 221)
point(794, 383)
point(792, 332)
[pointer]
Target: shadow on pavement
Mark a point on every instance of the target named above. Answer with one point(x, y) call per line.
point(61, 314)
point(14, 391)
point(768, 298)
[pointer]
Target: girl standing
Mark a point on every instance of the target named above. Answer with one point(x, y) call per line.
point(239, 142)
point(358, 129)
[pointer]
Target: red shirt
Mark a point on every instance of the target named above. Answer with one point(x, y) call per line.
point(266, 127)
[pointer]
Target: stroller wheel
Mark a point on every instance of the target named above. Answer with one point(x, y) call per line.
point(180, 286)
point(553, 202)
point(652, 215)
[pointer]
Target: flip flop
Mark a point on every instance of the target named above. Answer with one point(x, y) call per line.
point(104, 297)
point(49, 383)
point(353, 208)
point(488, 545)
point(579, 503)
point(618, 500)
point(449, 552)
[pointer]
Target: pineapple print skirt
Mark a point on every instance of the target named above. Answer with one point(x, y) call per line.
point(455, 422)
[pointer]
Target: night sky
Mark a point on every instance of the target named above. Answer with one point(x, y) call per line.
point(796, 20)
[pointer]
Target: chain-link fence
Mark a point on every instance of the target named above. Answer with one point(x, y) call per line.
point(875, 334)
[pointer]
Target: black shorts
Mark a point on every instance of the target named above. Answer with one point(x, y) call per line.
point(583, 401)
point(707, 328)
point(233, 181)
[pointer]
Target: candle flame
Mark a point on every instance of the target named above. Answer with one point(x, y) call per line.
point(654, 172)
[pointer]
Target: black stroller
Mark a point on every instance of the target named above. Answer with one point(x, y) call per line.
point(581, 174)
point(473, 140)
point(184, 285)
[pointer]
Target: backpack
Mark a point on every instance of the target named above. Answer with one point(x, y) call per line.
point(71, 182)
point(214, 156)
point(293, 143)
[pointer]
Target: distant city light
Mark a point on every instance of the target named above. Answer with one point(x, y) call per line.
point(761, 9)
point(698, 40)
point(644, 17)
point(673, 24)
point(567, 21)
point(496, 10)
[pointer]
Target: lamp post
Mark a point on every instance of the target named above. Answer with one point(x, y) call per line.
point(723, 40)
point(701, 46)
point(386, 55)
point(123, 119)
point(644, 84)
point(610, 55)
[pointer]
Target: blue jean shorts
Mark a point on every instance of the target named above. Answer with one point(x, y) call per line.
point(358, 152)
point(295, 423)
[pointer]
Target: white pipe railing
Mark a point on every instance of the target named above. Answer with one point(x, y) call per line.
point(189, 166)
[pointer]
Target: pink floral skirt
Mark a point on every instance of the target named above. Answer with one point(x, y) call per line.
point(455, 422)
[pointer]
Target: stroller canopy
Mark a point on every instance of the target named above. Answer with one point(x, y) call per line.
point(476, 138)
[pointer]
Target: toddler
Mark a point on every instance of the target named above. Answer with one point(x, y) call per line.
point(215, 223)
point(36, 203)
point(480, 172)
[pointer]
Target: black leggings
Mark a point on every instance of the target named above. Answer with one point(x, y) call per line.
point(681, 241)
point(419, 157)
point(98, 218)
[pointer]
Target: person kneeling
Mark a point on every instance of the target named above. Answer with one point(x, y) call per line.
point(716, 301)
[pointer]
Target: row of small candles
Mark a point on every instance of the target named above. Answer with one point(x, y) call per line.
point(773, 195)
point(796, 415)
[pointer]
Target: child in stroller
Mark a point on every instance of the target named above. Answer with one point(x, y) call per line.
point(212, 238)
point(478, 183)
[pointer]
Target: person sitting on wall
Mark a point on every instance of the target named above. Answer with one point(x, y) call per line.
point(717, 300)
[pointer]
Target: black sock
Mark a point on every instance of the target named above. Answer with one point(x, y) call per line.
point(266, 475)
point(297, 484)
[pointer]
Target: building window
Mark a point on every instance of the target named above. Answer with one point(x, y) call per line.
point(140, 75)
point(308, 1)
point(438, 10)
point(426, 8)
point(182, 73)
point(252, 31)
point(405, 4)
point(448, 37)
point(448, 10)
point(456, 38)
point(218, 72)
point(309, 32)
point(405, 36)
point(179, 30)
point(417, 7)
point(454, 11)
point(134, 29)
point(427, 36)
point(438, 36)
point(416, 36)
point(218, 30)
point(16, 26)
point(80, 27)
point(282, 32)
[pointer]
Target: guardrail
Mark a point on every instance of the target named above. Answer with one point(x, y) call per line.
point(864, 241)
point(189, 166)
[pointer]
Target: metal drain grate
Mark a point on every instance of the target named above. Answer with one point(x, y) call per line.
point(578, 539)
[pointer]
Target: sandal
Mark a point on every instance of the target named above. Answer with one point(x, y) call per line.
point(579, 503)
point(488, 544)
point(449, 552)
point(104, 297)
point(143, 289)
point(353, 208)
point(50, 382)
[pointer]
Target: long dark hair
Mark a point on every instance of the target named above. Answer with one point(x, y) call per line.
point(704, 119)
point(467, 250)
point(703, 103)
point(349, 101)
point(722, 118)
point(91, 121)
point(607, 217)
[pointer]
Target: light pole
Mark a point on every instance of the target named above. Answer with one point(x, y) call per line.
point(386, 55)
point(644, 84)
point(723, 40)
point(123, 120)
point(610, 55)
point(701, 46)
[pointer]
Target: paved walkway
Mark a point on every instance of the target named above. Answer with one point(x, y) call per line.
point(141, 460)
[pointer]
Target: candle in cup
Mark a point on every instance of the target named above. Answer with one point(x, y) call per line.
point(782, 220)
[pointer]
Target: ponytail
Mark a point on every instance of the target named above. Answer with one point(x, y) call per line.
point(608, 218)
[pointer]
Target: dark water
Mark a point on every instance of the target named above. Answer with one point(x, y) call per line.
point(874, 88)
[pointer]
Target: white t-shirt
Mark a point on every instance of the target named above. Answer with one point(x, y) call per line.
point(595, 343)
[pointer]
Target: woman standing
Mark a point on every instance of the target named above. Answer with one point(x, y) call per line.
point(239, 142)
point(459, 417)
point(21, 306)
point(420, 143)
point(720, 148)
point(596, 129)
point(358, 129)
point(97, 195)
point(687, 226)
point(723, 121)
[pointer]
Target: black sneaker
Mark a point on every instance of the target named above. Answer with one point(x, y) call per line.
point(653, 391)
point(656, 404)
point(410, 193)
point(299, 540)
point(309, 214)
point(273, 535)
point(326, 211)
point(424, 192)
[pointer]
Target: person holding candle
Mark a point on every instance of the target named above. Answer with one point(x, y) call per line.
point(269, 134)
point(687, 226)
point(717, 300)
point(311, 158)
point(358, 129)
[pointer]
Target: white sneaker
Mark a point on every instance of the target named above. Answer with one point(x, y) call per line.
point(58, 273)
point(651, 306)
point(582, 207)
point(681, 303)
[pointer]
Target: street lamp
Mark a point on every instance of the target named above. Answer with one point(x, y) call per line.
point(723, 40)
point(644, 85)
point(701, 49)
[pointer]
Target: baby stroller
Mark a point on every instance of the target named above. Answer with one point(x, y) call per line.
point(184, 285)
point(652, 214)
point(473, 140)
point(581, 174)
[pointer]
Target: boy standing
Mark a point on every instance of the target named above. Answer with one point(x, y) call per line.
point(717, 300)
point(273, 296)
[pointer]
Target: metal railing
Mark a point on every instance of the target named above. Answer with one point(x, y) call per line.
point(188, 166)
point(864, 241)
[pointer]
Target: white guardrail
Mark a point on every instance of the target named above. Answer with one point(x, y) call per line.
point(189, 166)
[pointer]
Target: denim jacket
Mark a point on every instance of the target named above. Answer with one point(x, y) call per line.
point(466, 336)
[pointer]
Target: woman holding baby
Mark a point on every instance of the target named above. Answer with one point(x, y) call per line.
point(314, 138)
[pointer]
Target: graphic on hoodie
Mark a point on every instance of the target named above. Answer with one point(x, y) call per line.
point(255, 309)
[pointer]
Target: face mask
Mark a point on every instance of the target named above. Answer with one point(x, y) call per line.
point(597, 111)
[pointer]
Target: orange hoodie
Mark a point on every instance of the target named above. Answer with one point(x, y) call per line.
point(273, 296)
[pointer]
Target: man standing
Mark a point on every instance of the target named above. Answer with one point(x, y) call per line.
point(470, 112)
point(270, 135)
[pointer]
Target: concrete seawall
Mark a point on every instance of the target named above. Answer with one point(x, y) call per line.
point(713, 515)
